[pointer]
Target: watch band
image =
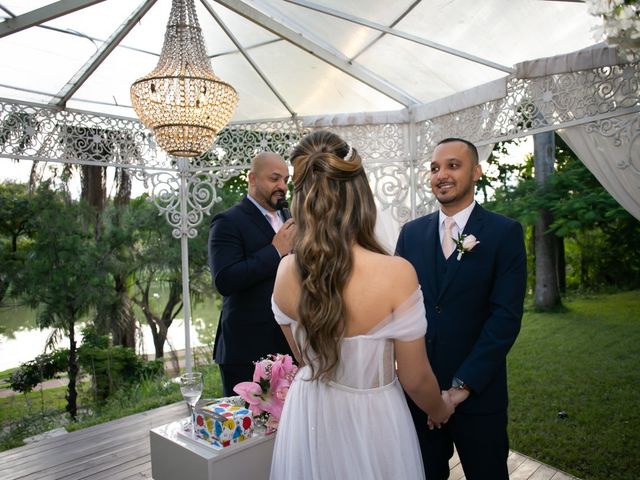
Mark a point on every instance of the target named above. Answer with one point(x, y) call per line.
point(459, 384)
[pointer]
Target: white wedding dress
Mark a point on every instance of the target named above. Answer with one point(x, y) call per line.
point(358, 425)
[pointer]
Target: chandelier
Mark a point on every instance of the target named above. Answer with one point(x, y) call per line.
point(181, 100)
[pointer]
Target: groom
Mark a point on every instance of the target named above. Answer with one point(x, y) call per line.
point(473, 294)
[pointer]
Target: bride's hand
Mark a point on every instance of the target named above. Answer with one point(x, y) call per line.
point(449, 402)
point(443, 417)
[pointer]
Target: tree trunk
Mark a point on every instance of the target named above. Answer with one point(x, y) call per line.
point(158, 342)
point(94, 192)
point(123, 192)
point(123, 331)
point(158, 331)
point(546, 295)
point(72, 393)
point(126, 334)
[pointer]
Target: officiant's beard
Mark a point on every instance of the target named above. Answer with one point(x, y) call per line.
point(269, 199)
point(275, 196)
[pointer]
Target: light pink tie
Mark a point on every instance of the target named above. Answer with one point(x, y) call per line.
point(274, 220)
point(448, 245)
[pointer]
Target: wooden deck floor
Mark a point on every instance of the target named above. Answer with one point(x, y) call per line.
point(119, 450)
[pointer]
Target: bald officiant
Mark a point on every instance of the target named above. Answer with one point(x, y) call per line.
point(246, 243)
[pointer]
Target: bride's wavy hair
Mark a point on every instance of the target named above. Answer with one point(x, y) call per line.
point(334, 209)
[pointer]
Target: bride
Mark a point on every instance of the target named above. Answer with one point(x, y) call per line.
point(355, 319)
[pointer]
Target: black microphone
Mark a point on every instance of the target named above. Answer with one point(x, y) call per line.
point(282, 206)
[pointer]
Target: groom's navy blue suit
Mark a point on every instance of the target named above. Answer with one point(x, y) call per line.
point(243, 265)
point(474, 310)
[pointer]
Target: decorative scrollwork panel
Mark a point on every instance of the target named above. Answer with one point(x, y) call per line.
point(43, 133)
point(200, 195)
point(625, 135)
point(385, 142)
point(533, 104)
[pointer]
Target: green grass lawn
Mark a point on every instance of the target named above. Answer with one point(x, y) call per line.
point(583, 362)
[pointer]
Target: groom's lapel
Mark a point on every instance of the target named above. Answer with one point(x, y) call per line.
point(473, 227)
point(432, 239)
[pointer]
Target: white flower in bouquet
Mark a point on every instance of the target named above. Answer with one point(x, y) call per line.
point(620, 25)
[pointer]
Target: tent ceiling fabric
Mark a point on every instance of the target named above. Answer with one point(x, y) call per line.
point(311, 58)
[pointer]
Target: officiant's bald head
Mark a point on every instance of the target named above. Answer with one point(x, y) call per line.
point(268, 179)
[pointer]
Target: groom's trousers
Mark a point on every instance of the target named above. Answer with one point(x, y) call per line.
point(480, 440)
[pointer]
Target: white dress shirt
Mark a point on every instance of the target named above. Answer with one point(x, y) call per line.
point(461, 218)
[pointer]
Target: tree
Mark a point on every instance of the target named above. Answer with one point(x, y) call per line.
point(156, 257)
point(15, 215)
point(602, 235)
point(546, 292)
point(63, 274)
point(115, 312)
point(598, 235)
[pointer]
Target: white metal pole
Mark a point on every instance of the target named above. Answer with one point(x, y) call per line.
point(184, 250)
point(413, 164)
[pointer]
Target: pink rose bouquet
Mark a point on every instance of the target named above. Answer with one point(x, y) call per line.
point(265, 395)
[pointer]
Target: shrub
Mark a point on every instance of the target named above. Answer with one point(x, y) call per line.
point(43, 367)
point(112, 367)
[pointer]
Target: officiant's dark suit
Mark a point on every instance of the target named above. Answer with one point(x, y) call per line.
point(474, 307)
point(244, 254)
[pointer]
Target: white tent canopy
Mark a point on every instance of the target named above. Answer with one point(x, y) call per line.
point(319, 58)
point(392, 78)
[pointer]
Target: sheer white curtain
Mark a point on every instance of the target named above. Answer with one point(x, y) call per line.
point(610, 149)
point(387, 229)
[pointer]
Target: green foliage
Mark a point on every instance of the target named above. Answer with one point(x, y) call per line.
point(63, 273)
point(600, 236)
point(499, 173)
point(112, 367)
point(43, 367)
point(15, 215)
point(155, 259)
point(582, 362)
point(30, 414)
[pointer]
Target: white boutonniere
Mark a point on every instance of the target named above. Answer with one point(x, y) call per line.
point(464, 244)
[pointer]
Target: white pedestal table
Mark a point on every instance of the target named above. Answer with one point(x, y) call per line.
point(173, 456)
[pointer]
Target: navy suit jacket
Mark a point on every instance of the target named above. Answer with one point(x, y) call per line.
point(243, 265)
point(474, 312)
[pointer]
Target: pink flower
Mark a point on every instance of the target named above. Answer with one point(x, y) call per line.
point(279, 368)
point(282, 391)
point(272, 378)
point(252, 394)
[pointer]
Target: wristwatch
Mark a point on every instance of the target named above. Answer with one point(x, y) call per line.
point(459, 384)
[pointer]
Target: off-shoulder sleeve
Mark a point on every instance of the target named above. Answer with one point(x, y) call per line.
point(280, 317)
point(408, 322)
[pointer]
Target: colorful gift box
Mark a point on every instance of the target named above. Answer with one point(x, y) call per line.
point(222, 423)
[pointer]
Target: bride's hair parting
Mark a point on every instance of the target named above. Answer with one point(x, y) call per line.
point(334, 209)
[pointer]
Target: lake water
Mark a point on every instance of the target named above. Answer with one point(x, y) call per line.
point(21, 340)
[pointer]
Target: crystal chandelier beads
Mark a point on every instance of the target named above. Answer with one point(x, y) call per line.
point(182, 100)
